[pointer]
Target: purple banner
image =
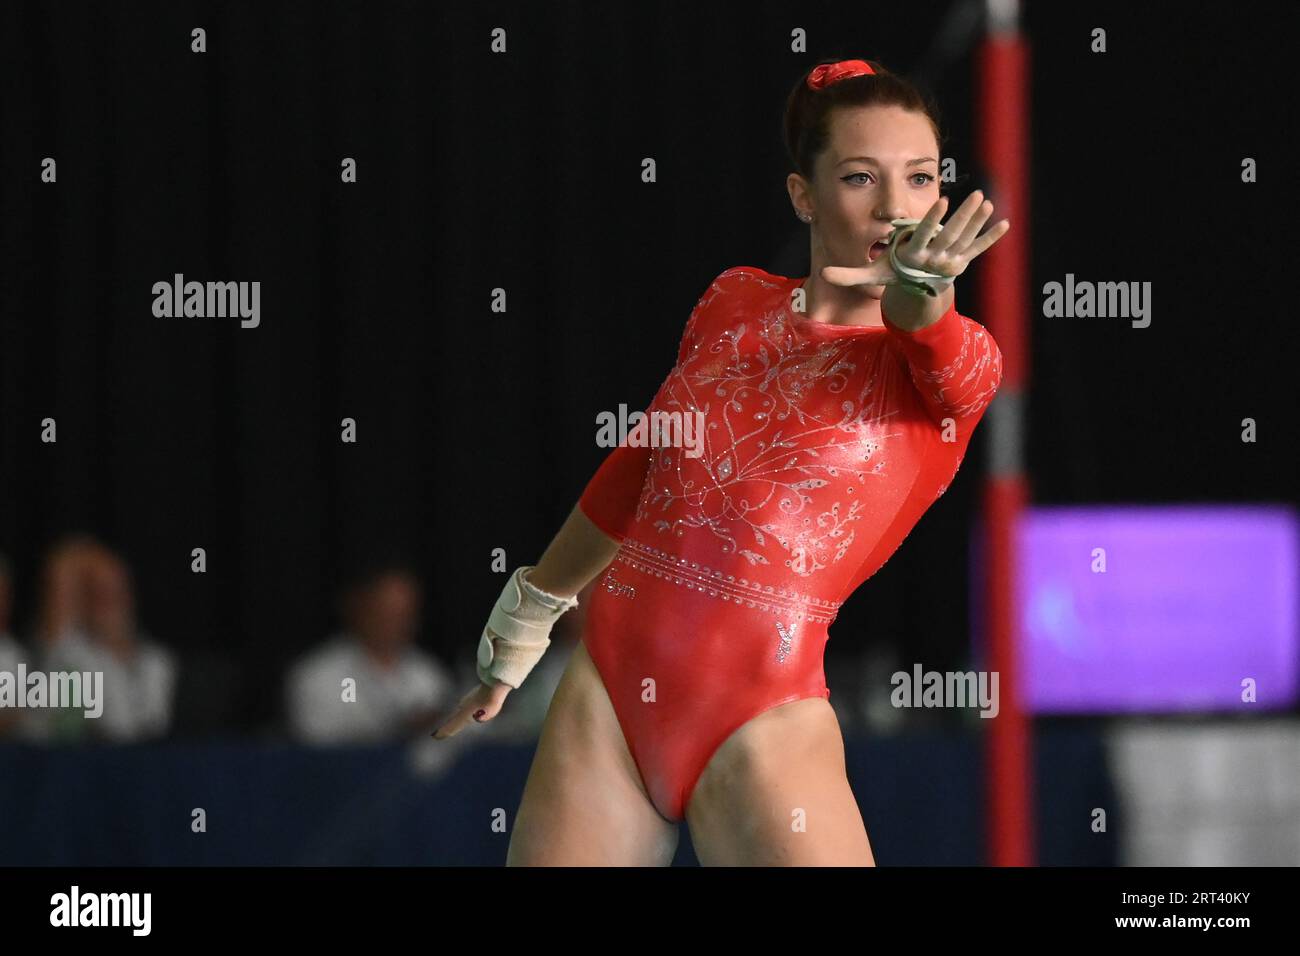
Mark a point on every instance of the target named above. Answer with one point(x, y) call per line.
point(1159, 609)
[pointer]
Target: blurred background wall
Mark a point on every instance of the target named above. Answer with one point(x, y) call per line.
point(478, 170)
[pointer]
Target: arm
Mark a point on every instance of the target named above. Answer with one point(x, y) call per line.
point(954, 362)
point(955, 368)
point(315, 711)
point(9, 718)
point(594, 529)
point(579, 551)
point(590, 536)
point(911, 313)
point(586, 542)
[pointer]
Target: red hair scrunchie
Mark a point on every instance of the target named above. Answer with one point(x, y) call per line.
point(828, 73)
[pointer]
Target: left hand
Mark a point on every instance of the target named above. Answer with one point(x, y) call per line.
point(946, 252)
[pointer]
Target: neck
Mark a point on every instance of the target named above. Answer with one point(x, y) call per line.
point(118, 641)
point(840, 305)
point(384, 657)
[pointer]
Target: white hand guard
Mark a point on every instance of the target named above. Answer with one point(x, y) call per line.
point(915, 281)
point(518, 629)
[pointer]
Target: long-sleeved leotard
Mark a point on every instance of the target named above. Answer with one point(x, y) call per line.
point(822, 446)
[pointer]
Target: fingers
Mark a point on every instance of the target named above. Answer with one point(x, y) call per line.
point(954, 246)
point(973, 227)
point(986, 240)
point(459, 718)
point(928, 226)
point(480, 704)
point(856, 275)
point(496, 697)
point(954, 229)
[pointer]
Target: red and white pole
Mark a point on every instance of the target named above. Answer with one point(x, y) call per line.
point(1002, 110)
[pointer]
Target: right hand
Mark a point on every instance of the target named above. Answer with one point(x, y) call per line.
point(481, 698)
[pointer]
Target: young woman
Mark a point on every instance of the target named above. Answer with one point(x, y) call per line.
point(835, 410)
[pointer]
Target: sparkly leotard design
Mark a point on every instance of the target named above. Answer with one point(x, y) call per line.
point(821, 448)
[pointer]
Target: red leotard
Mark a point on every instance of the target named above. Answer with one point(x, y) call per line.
point(822, 447)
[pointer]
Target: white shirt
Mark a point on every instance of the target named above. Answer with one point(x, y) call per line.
point(138, 692)
point(322, 710)
point(11, 653)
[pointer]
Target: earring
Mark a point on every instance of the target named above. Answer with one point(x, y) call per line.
point(805, 217)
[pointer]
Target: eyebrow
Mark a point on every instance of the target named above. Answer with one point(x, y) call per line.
point(872, 159)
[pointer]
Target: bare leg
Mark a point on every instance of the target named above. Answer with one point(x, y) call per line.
point(776, 794)
point(584, 803)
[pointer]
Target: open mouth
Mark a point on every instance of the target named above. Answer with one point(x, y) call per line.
point(876, 249)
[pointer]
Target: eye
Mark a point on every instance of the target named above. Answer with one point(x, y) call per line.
point(926, 178)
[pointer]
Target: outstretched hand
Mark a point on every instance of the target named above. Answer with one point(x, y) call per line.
point(943, 250)
point(480, 698)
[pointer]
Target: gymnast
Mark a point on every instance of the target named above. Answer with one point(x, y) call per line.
point(836, 409)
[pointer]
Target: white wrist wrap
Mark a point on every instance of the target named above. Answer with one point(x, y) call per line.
point(518, 629)
point(916, 281)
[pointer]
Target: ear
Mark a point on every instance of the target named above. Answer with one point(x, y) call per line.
point(799, 191)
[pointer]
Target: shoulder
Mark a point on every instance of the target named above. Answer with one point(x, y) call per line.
point(426, 670)
point(753, 281)
point(335, 654)
point(72, 648)
point(740, 291)
point(156, 655)
point(743, 287)
point(11, 654)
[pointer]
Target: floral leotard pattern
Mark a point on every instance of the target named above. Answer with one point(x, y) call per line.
point(821, 447)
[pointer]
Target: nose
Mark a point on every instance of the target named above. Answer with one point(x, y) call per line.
point(889, 207)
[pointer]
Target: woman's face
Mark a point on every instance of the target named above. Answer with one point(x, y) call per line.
point(881, 164)
point(110, 604)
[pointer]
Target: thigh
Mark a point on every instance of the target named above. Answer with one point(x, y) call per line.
point(776, 794)
point(584, 803)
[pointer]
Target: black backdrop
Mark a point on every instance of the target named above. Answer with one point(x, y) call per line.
point(521, 170)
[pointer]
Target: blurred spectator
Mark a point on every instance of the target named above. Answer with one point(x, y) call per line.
point(11, 652)
point(370, 682)
point(88, 624)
